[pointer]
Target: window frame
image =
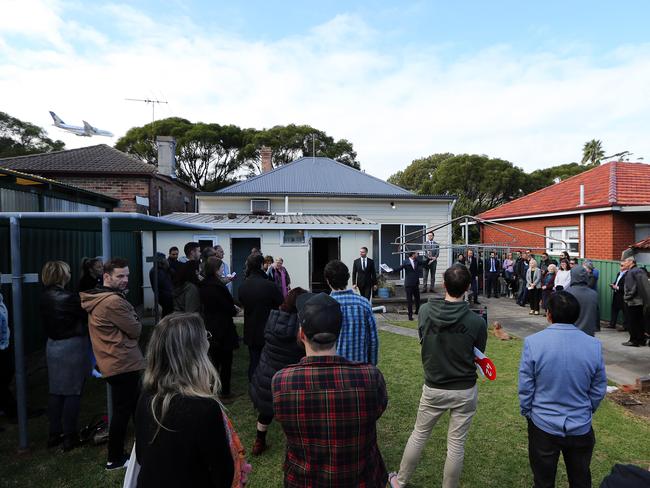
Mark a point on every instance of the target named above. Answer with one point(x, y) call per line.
point(564, 236)
point(304, 243)
point(268, 204)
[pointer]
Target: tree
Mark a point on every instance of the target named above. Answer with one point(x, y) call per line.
point(19, 138)
point(290, 142)
point(208, 155)
point(211, 156)
point(420, 171)
point(541, 178)
point(592, 152)
point(141, 141)
point(478, 181)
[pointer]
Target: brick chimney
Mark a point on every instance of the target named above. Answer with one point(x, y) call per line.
point(265, 154)
point(166, 155)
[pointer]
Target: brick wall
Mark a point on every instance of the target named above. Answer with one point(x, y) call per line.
point(173, 197)
point(608, 234)
point(521, 240)
point(123, 188)
point(624, 224)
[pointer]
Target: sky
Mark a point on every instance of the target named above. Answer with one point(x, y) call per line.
point(529, 82)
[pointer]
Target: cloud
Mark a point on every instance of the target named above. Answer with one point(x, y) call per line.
point(394, 103)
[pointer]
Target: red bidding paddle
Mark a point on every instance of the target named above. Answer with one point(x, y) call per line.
point(488, 368)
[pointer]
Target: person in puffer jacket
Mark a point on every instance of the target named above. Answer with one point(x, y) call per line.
point(281, 349)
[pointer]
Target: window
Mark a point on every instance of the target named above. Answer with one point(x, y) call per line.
point(205, 241)
point(260, 206)
point(641, 231)
point(293, 237)
point(570, 235)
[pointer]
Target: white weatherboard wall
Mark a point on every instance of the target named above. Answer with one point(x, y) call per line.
point(296, 257)
point(413, 211)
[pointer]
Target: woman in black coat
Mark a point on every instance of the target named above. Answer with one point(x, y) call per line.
point(68, 360)
point(218, 311)
point(281, 349)
point(165, 285)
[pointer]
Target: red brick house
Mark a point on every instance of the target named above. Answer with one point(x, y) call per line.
point(599, 213)
point(139, 187)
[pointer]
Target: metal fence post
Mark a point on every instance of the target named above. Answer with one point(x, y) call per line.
point(106, 256)
point(19, 346)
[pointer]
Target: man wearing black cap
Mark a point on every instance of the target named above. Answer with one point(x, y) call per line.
point(328, 406)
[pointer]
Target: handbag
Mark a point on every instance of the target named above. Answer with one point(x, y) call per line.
point(242, 467)
point(132, 471)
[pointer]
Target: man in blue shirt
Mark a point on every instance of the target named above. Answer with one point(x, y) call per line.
point(561, 383)
point(358, 339)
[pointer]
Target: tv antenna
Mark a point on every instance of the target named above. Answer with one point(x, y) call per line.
point(153, 106)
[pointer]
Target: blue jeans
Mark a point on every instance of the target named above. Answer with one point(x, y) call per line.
point(523, 293)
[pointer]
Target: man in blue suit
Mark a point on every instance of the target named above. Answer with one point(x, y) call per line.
point(412, 267)
point(561, 383)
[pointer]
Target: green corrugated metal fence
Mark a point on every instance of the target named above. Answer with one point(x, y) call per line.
point(39, 246)
point(608, 271)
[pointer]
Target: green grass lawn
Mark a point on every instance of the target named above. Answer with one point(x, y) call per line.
point(495, 456)
point(409, 324)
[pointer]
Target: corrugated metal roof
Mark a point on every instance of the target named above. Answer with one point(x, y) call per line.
point(248, 219)
point(315, 176)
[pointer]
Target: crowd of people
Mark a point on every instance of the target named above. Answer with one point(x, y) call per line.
point(532, 284)
point(313, 365)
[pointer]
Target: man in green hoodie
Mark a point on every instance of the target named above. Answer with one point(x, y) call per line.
point(449, 332)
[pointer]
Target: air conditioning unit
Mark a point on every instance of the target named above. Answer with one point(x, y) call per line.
point(261, 207)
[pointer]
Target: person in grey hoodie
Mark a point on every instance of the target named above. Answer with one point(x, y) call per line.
point(449, 332)
point(589, 318)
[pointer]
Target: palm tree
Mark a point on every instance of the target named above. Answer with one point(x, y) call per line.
point(592, 152)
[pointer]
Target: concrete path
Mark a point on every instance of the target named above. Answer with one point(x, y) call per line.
point(624, 364)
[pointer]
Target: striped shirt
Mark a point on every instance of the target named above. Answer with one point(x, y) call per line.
point(358, 339)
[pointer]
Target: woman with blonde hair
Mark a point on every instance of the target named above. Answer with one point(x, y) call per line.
point(181, 437)
point(534, 285)
point(68, 362)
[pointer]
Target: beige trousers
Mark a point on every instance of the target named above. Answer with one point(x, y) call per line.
point(461, 405)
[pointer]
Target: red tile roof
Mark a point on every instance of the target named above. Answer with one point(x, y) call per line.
point(614, 183)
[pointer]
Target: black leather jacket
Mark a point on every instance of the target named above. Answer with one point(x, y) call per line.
point(61, 314)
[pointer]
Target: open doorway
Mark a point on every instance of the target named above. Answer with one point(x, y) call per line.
point(241, 249)
point(322, 251)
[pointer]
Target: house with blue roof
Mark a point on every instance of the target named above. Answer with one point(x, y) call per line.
point(312, 210)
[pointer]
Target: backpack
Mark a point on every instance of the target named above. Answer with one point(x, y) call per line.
point(96, 431)
point(242, 467)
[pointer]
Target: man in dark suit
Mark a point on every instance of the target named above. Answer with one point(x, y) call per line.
point(492, 269)
point(472, 265)
point(618, 304)
point(364, 275)
point(412, 267)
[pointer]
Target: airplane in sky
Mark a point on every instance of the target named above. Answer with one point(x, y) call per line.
point(86, 131)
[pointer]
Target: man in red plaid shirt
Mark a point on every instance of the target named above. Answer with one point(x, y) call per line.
point(328, 407)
